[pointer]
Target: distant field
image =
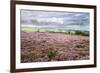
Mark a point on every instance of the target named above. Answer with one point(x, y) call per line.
point(31, 29)
point(73, 32)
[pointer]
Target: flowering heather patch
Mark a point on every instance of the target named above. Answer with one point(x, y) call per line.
point(44, 46)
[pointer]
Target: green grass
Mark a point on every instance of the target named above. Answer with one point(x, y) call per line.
point(28, 29)
point(71, 32)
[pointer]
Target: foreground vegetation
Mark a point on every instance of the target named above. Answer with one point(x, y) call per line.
point(44, 46)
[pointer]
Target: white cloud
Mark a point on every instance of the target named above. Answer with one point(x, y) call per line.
point(79, 14)
point(52, 17)
point(51, 20)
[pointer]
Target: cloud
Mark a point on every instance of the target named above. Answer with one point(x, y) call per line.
point(49, 18)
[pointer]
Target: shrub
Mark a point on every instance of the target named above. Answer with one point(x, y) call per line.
point(34, 55)
point(83, 33)
point(77, 32)
point(51, 53)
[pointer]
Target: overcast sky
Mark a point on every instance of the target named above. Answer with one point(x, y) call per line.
point(53, 18)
